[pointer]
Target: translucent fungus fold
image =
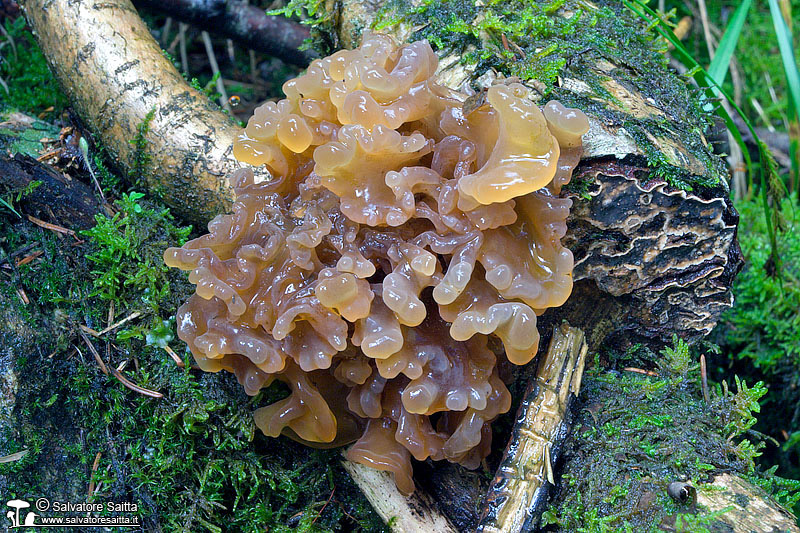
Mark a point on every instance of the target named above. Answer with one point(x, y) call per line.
point(400, 231)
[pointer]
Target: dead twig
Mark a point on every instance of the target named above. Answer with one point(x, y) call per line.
point(183, 44)
point(27, 259)
point(212, 59)
point(324, 506)
point(96, 355)
point(640, 371)
point(10, 458)
point(91, 479)
point(704, 378)
point(174, 356)
point(135, 314)
point(133, 386)
point(51, 227)
point(23, 296)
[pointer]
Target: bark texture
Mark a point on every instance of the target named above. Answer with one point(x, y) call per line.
point(115, 74)
point(521, 487)
point(63, 200)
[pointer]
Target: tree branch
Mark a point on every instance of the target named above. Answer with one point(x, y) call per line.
point(245, 24)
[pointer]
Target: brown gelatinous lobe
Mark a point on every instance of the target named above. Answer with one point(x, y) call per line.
point(396, 235)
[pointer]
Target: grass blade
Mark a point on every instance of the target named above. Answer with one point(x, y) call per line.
point(784, 37)
point(718, 68)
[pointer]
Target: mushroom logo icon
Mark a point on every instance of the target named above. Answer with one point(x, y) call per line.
point(14, 515)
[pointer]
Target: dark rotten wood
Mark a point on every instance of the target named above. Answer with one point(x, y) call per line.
point(59, 199)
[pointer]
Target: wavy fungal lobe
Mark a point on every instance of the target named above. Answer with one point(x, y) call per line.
point(399, 235)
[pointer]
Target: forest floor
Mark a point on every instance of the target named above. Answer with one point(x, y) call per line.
point(191, 459)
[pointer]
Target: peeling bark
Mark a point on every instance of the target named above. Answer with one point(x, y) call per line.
point(521, 487)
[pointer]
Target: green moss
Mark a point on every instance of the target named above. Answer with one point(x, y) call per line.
point(313, 13)
point(192, 460)
point(550, 41)
point(141, 159)
point(637, 433)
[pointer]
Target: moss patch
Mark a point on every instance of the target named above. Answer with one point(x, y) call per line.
point(635, 434)
point(192, 460)
point(24, 69)
point(600, 44)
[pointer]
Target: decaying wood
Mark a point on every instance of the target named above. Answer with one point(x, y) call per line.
point(246, 24)
point(520, 489)
point(650, 260)
point(56, 198)
point(662, 259)
point(668, 256)
point(673, 253)
point(414, 514)
point(745, 509)
point(115, 74)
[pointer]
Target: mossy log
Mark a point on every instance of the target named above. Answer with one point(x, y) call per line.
point(659, 259)
point(55, 197)
point(652, 228)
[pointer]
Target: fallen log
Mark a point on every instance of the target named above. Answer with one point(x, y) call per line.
point(123, 88)
point(519, 492)
point(652, 229)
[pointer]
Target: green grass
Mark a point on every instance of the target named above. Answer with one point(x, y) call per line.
point(757, 54)
point(23, 67)
point(760, 335)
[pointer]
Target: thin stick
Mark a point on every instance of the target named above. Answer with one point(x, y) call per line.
point(10, 458)
point(640, 371)
point(174, 356)
point(184, 58)
point(51, 227)
point(90, 331)
point(23, 296)
point(704, 378)
point(91, 479)
point(165, 31)
point(133, 386)
point(29, 258)
point(128, 318)
point(706, 26)
point(174, 44)
point(212, 59)
point(231, 50)
point(253, 75)
point(10, 40)
point(762, 114)
point(96, 355)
